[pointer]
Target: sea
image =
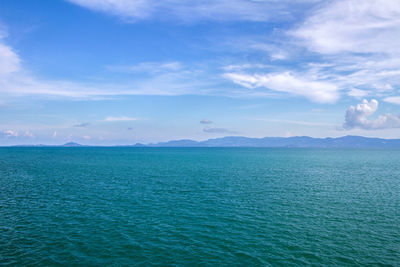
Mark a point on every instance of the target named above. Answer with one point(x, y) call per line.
point(129, 206)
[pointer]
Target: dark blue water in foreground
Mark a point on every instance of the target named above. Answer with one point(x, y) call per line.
point(199, 206)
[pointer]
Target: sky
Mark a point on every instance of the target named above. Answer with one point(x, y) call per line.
point(113, 72)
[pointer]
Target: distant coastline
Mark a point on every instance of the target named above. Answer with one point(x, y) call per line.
point(239, 141)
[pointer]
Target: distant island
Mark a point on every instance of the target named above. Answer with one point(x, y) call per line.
point(296, 141)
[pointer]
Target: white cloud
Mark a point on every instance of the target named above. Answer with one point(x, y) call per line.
point(357, 93)
point(82, 125)
point(86, 137)
point(246, 66)
point(357, 117)
point(371, 63)
point(393, 100)
point(368, 26)
point(205, 121)
point(9, 59)
point(359, 44)
point(166, 78)
point(318, 91)
point(289, 134)
point(9, 133)
point(29, 134)
point(22, 85)
point(125, 8)
point(151, 67)
point(354, 46)
point(298, 122)
point(121, 118)
point(188, 10)
point(218, 130)
point(15, 134)
point(275, 52)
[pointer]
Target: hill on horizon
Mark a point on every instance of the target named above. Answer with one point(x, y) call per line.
point(348, 141)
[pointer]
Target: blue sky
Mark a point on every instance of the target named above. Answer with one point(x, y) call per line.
point(122, 71)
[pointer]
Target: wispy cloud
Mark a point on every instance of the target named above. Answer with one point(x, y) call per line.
point(357, 117)
point(246, 66)
point(393, 100)
point(348, 47)
point(120, 118)
point(218, 130)
point(368, 26)
point(165, 78)
point(187, 10)
point(205, 121)
point(353, 49)
point(359, 45)
point(150, 67)
point(9, 133)
point(16, 134)
point(82, 125)
point(10, 62)
point(318, 91)
point(29, 134)
point(298, 122)
point(357, 93)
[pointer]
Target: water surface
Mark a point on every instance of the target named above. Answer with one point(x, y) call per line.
point(199, 206)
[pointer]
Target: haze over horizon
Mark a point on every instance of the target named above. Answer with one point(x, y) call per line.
point(116, 72)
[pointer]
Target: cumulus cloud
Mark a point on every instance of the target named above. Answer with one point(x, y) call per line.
point(205, 121)
point(318, 91)
point(357, 117)
point(218, 130)
point(82, 125)
point(121, 118)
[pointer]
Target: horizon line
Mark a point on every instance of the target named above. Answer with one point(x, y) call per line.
point(191, 140)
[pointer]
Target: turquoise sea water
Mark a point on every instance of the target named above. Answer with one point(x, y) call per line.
point(199, 206)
